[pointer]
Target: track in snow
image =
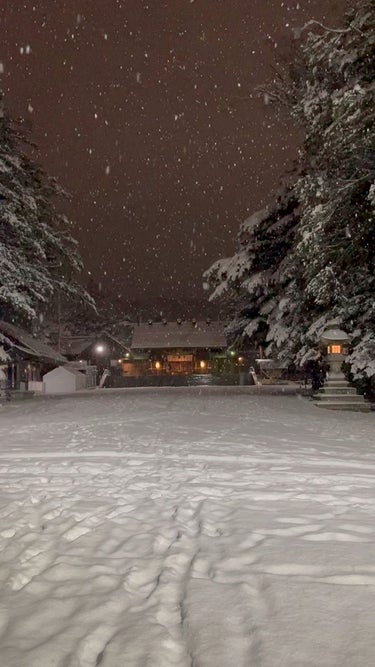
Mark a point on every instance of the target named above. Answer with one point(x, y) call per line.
point(198, 528)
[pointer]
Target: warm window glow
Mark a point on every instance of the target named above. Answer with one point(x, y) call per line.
point(157, 365)
point(334, 349)
point(202, 364)
point(179, 357)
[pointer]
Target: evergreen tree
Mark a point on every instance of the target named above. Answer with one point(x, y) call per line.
point(38, 256)
point(333, 99)
point(290, 280)
point(259, 278)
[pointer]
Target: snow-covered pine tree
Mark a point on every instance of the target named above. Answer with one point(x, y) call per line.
point(259, 278)
point(38, 256)
point(327, 266)
point(334, 101)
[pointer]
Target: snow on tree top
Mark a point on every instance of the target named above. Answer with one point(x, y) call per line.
point(254, 220)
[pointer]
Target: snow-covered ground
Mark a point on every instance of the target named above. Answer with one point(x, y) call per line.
point(188, 527)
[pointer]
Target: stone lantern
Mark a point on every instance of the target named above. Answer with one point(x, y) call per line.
point(337, 394)
point(334, 342)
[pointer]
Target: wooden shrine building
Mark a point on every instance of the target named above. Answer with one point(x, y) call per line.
point(176, 348)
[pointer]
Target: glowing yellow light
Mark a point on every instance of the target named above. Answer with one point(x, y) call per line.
point(240, 359)
point(334, 349)
point(202, 364)
point(157, 365)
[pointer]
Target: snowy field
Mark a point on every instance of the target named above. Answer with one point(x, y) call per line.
point(190, 527)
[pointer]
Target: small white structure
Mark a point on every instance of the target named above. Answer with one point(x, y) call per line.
point(63, 380)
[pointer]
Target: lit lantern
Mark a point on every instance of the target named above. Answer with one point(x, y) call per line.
point(334, 349)
point(335, 343)
point(202, 364)
point(157, 365)
point(99, 348)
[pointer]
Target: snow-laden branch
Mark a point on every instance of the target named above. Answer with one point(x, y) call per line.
point(339, 31)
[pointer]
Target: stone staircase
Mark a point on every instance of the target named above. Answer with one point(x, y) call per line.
point(337, 394)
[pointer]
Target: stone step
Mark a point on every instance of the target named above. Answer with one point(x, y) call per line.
point(337, 383)
point(344, 398)
point(338, 390)
point(340, 405)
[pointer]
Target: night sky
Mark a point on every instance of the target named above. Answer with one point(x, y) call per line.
point(146, 113)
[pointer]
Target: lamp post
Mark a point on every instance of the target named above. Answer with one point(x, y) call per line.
point(335, 342)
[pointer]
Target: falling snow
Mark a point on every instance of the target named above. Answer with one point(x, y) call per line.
point(164, 93)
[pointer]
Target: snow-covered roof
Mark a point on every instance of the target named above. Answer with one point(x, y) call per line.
point(76, 345)
point(63, 369)
point(28, 345)
point(187, 334)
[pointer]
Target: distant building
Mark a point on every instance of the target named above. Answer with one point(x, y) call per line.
point(176, 348)
point(28, 359)
point(152, 348)
point(102, 350)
